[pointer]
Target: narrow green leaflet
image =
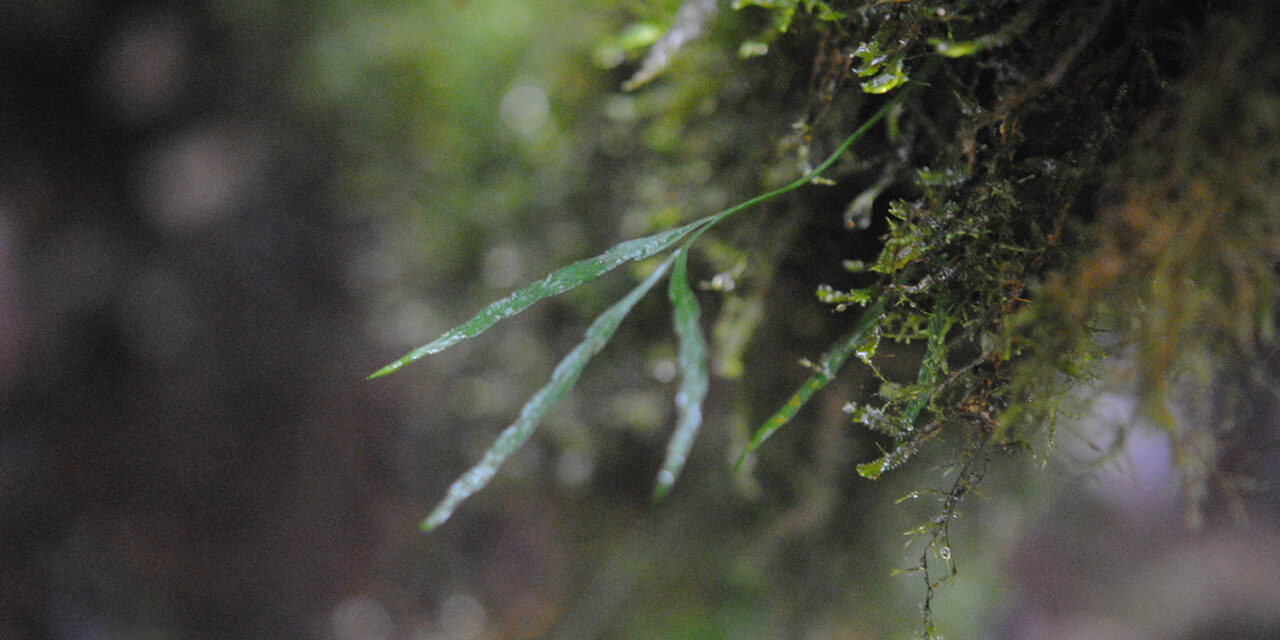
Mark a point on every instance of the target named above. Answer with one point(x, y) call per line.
point(562, 380)
point(694, 382)
point(825, 372)
point(957, 48)
point(935, 361)
point(693, 374)
point(587, 270)
point(557, 282)
point(887, 81)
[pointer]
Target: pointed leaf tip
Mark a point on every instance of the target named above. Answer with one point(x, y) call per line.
point(874, 469)
point(563, 379)
point(666, 480)
point(437, 517)
point(823, 374)
point(692, 361)
point(555, 283)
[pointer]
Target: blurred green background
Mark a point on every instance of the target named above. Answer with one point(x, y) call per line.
point(217, 217)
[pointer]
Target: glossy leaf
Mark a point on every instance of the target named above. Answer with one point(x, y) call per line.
point(873, 59)
point(693, 374)
point(824, 373)
point(557, 282)
point(935, 362)
point(956, 49)
point(567, 372)
point(562, 380)
point(887, 81)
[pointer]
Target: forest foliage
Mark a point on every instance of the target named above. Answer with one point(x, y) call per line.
point(1028, 190)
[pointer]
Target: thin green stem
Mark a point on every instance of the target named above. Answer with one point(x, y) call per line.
point(817, 171)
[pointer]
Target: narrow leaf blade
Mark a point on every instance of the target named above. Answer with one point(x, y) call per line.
point(557, 282)
point(825, 373)
point(693, 374)
point(642, 248)
point(935, 361)
point(562, 380)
